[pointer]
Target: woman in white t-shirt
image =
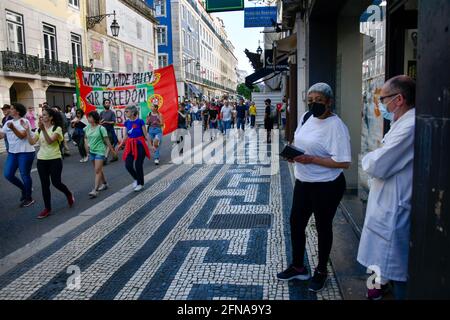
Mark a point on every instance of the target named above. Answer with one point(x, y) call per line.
point(320, 182)
point(20, 153)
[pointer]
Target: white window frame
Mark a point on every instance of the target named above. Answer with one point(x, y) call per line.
point(74, 4)
point(15, 25)
point(163, 55)
point(53, 54)
point(159, 35)
point(77, 43)
point(160, 4)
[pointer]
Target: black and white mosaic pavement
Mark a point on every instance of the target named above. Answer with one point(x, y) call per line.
point(196, 232)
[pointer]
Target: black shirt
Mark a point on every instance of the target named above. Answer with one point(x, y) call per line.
point(241, 111)
point(213, 114)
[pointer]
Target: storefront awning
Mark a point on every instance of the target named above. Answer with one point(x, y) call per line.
point(287, 45)
point(261, 73)
point(194, 89)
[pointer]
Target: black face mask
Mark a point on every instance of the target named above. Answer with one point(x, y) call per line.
point(317, 109)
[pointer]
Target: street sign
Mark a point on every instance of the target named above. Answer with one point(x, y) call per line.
point(224, 5)
point(259, 17)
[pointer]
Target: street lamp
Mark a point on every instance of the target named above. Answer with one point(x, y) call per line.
point(93, 20)
point(259, 50)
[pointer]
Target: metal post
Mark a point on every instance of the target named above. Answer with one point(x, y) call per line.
point(430, 230)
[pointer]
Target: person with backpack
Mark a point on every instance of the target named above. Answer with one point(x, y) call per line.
point(96, 141)
point(270, 117)
point(49, 157)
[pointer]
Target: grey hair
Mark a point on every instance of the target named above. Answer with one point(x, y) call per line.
point(322, 88)
point(133, 110)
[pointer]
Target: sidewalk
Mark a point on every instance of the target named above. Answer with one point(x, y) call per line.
point(196, 232)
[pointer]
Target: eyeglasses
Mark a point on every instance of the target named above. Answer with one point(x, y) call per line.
point(389, 96)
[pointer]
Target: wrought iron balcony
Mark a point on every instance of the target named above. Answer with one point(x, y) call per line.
point(17, 62)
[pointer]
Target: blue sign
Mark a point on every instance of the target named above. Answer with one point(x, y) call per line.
point(259, 17)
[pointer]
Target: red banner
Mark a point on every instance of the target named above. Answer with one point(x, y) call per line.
point(126, 89)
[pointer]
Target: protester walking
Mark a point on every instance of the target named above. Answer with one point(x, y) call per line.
point(6, 109)
point(108, 121)
point(241, 116)
point(136, 140)
point(31, 117)
point(384, 244)
point(20, 153)
point(155, 123)
point(78, 124)
point(320, 183)
point(97, 141)
point(226, 113)
point(252, 111)
point(270, 116)
point(49, 157)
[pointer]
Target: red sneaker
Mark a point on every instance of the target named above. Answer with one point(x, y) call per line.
point(71, 200)
point(44, 214)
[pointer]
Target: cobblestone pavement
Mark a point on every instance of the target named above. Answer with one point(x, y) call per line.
point(196, 232)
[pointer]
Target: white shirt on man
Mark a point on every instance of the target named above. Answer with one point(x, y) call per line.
point(17, 145)
point(328, 138)
point(226, 113)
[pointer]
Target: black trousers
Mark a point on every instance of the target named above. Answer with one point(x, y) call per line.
point(322, 199)
point(136, 168)
point(51, 169)
point(79, 139)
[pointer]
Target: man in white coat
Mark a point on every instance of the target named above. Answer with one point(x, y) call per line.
point(384, 244)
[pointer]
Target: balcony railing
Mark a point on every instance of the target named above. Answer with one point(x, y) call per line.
point(17, 62)
point(198, 79)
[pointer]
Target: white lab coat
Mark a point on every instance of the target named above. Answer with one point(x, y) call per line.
point(385, 237)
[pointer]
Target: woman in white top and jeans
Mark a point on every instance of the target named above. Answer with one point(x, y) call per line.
point(320, 182)
point(20, 153)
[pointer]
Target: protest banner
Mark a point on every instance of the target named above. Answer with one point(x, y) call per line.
point(130, 89)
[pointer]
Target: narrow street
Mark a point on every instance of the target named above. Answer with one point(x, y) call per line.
point(195, 232)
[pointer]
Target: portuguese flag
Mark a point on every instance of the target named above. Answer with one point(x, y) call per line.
point(130, 89)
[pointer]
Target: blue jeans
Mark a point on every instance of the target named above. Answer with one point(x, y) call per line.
point(226, 126)
point(22, 161)
point(241, 123)
point(156, 133)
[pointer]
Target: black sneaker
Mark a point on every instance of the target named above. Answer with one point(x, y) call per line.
point(292, 273)
point(27, 203)
point(318, 282)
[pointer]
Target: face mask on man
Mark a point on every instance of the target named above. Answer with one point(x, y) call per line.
point(317, 109)
point(385, 111)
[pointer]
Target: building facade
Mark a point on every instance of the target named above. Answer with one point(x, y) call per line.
point(135, 49)
point(197, 45)
point(39, 43)
point(42, 41)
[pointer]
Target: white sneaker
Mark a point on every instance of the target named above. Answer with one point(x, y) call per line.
point(135, 184)
point(103, 187)
point(157, 161)
point(138, 188)
point(93, 194)
point(85, 159)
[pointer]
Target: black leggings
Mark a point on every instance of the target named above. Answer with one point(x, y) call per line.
point(136, 168)
point(79, 139)
point(51, 169)
point(322, 199)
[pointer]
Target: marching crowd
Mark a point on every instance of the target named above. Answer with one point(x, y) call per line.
point(95, 136)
